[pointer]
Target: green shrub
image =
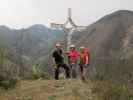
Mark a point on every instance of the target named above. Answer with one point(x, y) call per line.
point(7, 83)
point(36, 76)
point(38, 73)
point(109, 91)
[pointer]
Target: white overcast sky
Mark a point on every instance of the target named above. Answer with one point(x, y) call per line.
point(23, 13)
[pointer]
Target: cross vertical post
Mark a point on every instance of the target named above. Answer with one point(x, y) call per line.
point(69, 31)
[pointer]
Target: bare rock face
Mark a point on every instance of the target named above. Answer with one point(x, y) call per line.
point(110, 41)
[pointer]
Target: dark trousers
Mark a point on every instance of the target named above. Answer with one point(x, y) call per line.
point(66, 68)
point(74, 70)
point(83, 70)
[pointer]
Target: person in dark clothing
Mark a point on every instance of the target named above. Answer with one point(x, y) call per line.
point(58, 60)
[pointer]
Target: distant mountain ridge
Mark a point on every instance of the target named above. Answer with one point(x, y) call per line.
point(110, 41)
point(37, 31)
point(31, 44)
point(31, 39)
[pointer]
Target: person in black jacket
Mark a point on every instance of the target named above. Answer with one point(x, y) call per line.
point(58, 60)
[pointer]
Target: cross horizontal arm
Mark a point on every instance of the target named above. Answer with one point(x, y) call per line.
point(57, 26)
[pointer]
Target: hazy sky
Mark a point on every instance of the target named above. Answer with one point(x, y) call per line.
point(23, 13)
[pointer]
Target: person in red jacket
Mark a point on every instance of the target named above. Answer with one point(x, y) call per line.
point(73, 56)
point(84, 61)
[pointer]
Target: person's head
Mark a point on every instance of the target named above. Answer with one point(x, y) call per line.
point(58, 45)
point(72, 47)
point(82, 48)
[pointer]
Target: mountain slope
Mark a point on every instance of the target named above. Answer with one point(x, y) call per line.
point(30, 46)
point(110, 43)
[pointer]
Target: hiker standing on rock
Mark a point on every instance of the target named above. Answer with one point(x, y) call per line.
point(73, 57)
point(58, 60)
point(84, 61)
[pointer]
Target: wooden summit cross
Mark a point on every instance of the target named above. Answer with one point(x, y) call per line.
point(68, 30)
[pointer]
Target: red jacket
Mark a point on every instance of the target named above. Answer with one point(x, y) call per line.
point(73, 56)
point(85, 57)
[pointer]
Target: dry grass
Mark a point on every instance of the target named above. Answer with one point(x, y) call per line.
point(49, 90)
point(66, 90)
